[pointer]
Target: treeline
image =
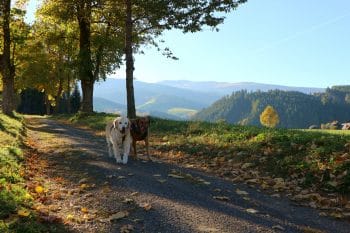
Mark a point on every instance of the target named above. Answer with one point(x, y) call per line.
point(32, 101)
point(295, 109)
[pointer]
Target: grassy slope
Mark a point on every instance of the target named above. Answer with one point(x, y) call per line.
point(315, 159)
point(13, 195)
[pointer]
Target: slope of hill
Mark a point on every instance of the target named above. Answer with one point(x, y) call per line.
point(162, 98)
point(151, 98)
point(104, 105)
point(295, 109)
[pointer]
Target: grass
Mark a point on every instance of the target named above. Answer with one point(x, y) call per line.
point(319, 159)
point(13, 194)
point(182, 112)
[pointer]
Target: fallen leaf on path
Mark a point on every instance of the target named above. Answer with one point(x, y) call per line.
point(121, 177)
point(157, 175)
point(252, 211)
point(176, 176)
point(278, 227)
point(134, 193)
point(84, 210)
point(146, 206)
point(161, 181)
point(241, 192)
point(118, 215)
point(221, 198)
point(128, 200)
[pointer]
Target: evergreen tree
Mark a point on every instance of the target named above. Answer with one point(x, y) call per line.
point(75, 100)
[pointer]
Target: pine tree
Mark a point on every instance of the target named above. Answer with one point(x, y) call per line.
point(75, 100)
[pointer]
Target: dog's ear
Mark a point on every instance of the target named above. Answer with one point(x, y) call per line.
point(115, 122)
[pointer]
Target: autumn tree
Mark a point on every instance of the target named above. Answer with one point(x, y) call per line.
point(14, 32)
point(269, 117)
point(99, 51)
point(6, 67)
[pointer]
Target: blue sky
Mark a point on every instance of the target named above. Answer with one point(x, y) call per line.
point(290, 42)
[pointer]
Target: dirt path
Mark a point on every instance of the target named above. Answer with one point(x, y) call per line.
point(90, 193)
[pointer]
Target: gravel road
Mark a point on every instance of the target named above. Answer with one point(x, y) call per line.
point(187, 201)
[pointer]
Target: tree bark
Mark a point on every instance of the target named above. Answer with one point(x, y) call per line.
point(7, 69)
point(47, 104)
point(129, 60)
point(85, 63)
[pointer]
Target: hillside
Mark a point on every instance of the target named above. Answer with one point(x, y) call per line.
point(151, 98)
point(295, 109)
point(166, 98)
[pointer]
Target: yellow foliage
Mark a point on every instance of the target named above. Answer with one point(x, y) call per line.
point(23, 212)
point(39, 189)
point(269, 117)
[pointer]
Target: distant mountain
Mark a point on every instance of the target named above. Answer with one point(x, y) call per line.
point(172, 99)
point(225, 88)
point(295, 109)
point(104, 105)
point(152, 98)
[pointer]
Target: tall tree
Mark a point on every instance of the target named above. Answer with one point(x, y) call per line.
point(269, 117)
point(7, 68)
point(99, 51)
point(147, 19)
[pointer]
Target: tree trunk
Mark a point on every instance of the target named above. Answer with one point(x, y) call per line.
point(68, 95)
point(7, 70)
point(88, 90)
point(129, 61)
point(47, 105)
point(85, 64)
point(58, 95)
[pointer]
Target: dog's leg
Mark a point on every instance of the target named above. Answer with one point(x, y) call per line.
point(126, 150)
point(134, 149)
point(117, 153)
point(147, 148)
point(110, 150)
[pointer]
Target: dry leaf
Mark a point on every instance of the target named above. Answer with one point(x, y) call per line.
point(175, 176)
point(128, 200)
point(70, 217)
point(161, 180)
point(252, 211)
point(84, 210)
point(146, 206)
point(118, 215)
point(157, 175)
point(278, 227)
point(221, 198)
point(39, 189)
point(23, 213)
point(241, 192)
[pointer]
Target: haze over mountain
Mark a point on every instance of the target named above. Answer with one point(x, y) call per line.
point(173, 99)
point(225, 88)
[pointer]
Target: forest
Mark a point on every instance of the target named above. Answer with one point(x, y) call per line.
point(295, 109)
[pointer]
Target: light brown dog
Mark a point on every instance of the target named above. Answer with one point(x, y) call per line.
point(140, 132)
point(119, 139)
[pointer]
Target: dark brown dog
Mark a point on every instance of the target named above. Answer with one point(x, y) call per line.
point(140, 132)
